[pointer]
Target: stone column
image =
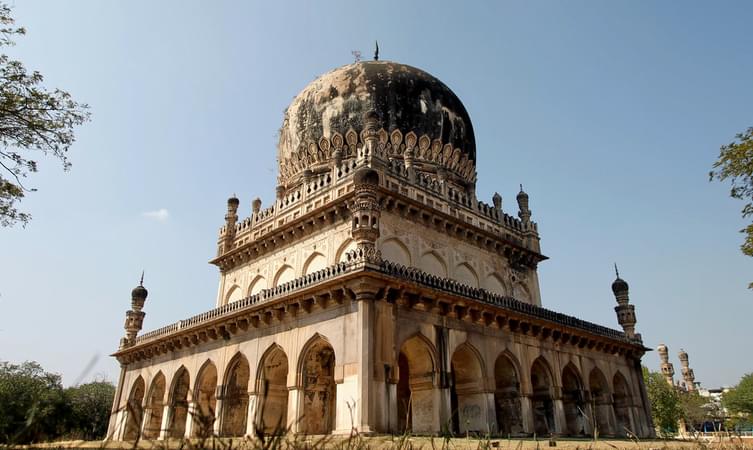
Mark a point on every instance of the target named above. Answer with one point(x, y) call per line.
point(560, 423)
point(295, 395)
point(217, 426)
point(365, 408)
point(251, 419)
point(164, 430)
point(491, 413)
point(526, 413)
point(193, 410)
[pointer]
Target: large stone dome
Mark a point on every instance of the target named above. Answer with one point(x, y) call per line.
point(404, 98)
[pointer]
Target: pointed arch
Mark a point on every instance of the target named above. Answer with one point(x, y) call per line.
point(317, 371)
point(178, 401)
point(154, 407)
point(467, 402)
point(434, 264)
point(345, 247)
point(283, 275)
point(394, 250)
point(416, 378)
point(465, 274)
point(623, 402)
point(204, 396)
point(315, 262)
point(542, 403)
point(507, 394)
point(235, 400)
point(134, 411)
point(257, 284)
point(520, 292)
point(272, 388)
point(573, 400)
point(493, 283)
point(601, 399)
point(233, 294)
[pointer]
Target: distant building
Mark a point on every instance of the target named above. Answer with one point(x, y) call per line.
point(378, 292)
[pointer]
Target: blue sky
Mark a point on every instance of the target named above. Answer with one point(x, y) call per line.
point(609, 113)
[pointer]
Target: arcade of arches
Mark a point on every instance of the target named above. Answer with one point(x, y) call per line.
point(503, 394)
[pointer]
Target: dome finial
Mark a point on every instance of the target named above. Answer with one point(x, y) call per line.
point(376, 50)
point(141, 281)
point(616, 272)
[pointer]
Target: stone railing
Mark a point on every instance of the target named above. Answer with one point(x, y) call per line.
point(372, 261)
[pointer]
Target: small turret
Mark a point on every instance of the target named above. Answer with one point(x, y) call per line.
point(625, 311)
point(667, 369)
point(687, 373)
point(497, 201)
point(135, 316)
point(524, 213)
point(231, 218)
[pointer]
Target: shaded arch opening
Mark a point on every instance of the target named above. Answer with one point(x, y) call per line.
point(542, 404)
point(257, 285)
point(573, 401)
point(179, 404)
point(314, 263)
point(272, 387)
point(318, 376)
point(465, 274)
point(507, 396)
point(206, 401)
point(493, 283)
point(601, 402)
point(623, 401)
point(285, 274)
point(155, 407)
point(433, 264)
point(345, 247)
point(234, 294)
point(235, 399)
point(415, 399)
point(134, 410)
point(395, 251)
point(467, 401)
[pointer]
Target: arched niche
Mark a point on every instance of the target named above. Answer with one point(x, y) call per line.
point(507, 396)
point(347, 246)
point(206, 401)
point(395, 251)
point(235, 401)
point(542, 404)
point(272, 388)
point(415, 387)
point(465, 274)
point(467, 402)
point(494, 284)
point(573, 401)
point(314, 263)
point(233, 294)
point(257, 285)
point(317, 366)
point(623, 401)
point(179, 404)
point(154, 407)
point(284, 274)
point(601, 401)
point(520, 292)
point(134, 412)
point(433, 264)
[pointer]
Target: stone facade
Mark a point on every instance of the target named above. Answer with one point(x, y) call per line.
point(377, 292)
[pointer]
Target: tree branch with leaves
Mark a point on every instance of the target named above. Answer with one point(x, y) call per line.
point(33, 121)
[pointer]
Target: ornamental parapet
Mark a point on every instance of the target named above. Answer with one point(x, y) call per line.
point(363, 262)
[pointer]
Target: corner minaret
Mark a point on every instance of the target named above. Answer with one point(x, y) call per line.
point(231, 218)
point(524, 213)
point(667, 369)
point(625, 311)
point(135, 315)
point(687, 373)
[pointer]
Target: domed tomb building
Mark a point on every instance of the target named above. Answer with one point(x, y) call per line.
point(377, 292)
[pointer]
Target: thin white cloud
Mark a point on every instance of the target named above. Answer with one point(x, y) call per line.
point(160, 215)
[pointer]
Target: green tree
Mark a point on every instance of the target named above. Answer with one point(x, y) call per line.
point(31, 403)
point(89, 409)
point(735, 164)
point(695, 409)
point(33, 121)
point(666, 408)
point(739, 400)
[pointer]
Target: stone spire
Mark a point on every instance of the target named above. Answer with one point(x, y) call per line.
point(667, 369)
point(687, 373)
point(524, 213)
point(625, 311)
point(135, 316)
point(231, 218)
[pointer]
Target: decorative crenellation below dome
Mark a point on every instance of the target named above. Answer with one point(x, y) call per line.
point(437, 160)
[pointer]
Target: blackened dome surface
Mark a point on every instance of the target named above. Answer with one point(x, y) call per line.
point(404, 98)
point(619, 286)
point(139, 292)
